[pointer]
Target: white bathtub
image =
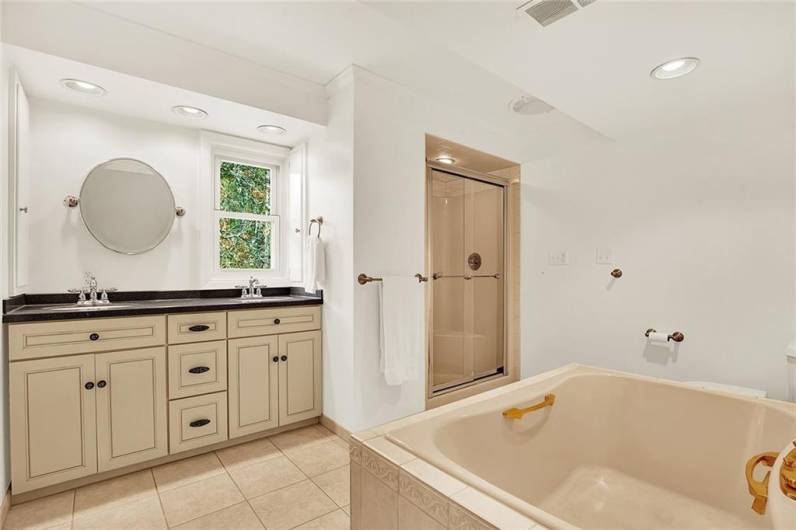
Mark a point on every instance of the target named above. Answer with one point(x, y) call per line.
point(614, 451)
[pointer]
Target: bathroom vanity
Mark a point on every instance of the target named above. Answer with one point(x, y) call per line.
point(97, 389)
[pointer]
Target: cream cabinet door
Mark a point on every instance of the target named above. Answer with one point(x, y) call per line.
point(299, 376)
point(53, 429)
point(132, 425)
point(253, 385)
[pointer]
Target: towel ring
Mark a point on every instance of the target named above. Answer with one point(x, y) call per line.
point(318, 220)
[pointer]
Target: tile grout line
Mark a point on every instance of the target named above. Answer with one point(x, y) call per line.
point(160, 501)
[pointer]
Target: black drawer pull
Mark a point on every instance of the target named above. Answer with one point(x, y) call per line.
point(199, 423)
point(102, 384)
point(89, 385)
point(199, 369)
point(275, 359)
point(277, 321)
point(284, 357)
point(199, 327)
point(94, 336)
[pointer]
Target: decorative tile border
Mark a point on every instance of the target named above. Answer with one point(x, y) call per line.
point(355, 451)
point(461, 519)
point(380, 468)
point(423, 497)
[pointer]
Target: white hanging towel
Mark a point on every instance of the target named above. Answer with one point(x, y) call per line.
point(314, 264)
point(401, 328)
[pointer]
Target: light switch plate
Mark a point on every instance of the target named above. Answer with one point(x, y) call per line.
point(604, 256)
point(558, 257)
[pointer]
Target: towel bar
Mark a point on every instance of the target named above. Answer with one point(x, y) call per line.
point(363, 278)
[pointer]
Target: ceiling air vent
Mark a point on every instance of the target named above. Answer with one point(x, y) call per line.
point(545, 12)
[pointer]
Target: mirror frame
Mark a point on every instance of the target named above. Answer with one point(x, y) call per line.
point(156, 172)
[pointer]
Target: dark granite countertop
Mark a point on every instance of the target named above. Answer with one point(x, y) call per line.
point(38, 307)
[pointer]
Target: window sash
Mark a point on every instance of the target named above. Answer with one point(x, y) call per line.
point(273, 172)
point(275, 238)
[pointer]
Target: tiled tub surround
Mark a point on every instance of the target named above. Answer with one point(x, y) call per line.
point(615, 451)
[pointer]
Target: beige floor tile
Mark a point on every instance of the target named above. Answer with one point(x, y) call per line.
point(347, 509)
point(248, 453)
point(338, 520)
point(292, 506)
point(114, 492)
point(143, 514)
point(342, 443)
point(42, 513)
point(265, 476)
point(303, 436)
point(318, 458)
point(238, 517)
point(200, 498)
point(336, 484)
point(188, 471)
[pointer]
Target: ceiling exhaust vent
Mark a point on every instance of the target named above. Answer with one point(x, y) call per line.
point(545, 12)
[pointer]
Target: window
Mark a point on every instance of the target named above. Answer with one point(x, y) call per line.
point(247, 224)
point(249, 212)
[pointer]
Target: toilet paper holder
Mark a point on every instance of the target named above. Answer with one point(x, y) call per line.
point(676, 336)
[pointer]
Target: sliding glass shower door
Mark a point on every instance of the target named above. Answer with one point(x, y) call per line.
point(467, 254)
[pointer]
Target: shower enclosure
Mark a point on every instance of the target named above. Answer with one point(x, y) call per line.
point(466, 253)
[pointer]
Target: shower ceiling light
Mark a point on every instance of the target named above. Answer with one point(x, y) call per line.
point(274, 130)
point(187, 111)
point(675, 68)
point(445, 160)
point(84, 87)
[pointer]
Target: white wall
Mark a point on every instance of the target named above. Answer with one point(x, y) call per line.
point(67, 143)
point(390, 123)
point(330, 166)
point(702, 228)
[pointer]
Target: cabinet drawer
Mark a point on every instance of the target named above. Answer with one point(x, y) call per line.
point(198, 368)
point(252, 322)
point(50, 339)
point(194, 327)
point(197, 421)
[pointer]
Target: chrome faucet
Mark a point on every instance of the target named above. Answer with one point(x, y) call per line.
point(96, 296)
point(253, 290)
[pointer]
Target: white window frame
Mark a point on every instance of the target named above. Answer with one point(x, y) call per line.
point(217, 148)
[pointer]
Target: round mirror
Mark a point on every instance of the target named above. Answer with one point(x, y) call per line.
point(127, 206)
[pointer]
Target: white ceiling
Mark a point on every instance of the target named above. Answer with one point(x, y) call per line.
point(141, 98)
point(475, 56)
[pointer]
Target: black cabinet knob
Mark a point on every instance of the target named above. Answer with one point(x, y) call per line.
point(277, 321)
point(199, 327)
point(199, 369)
point(284, 357)
point(199, 423)
point(102, 384)
point(94, 336)
point(275, 359)
point(89, 385)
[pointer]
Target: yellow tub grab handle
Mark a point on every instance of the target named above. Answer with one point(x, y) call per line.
point(516, 414)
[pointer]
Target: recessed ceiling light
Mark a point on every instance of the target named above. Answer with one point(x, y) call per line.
point(187, 111)
point(446, 160)
point(83, 87)
point(675, 68)
point(271, 129)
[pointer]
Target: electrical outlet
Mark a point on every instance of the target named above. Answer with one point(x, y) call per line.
point(558, 257)
point(604, 256)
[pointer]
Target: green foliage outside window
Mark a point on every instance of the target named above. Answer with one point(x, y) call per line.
point(245, 243)
point(245, 189)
